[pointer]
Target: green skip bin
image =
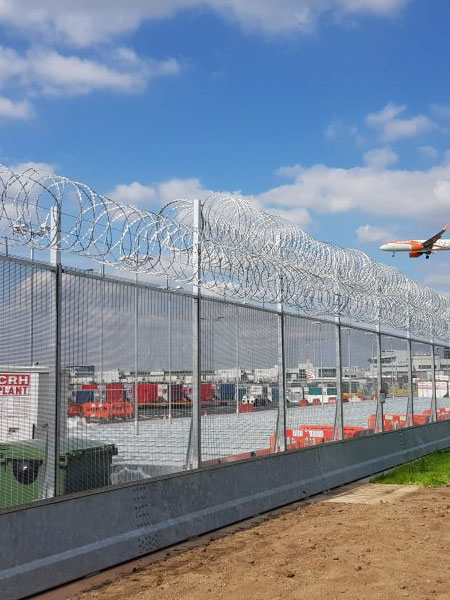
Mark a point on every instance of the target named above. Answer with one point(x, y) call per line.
point(26, 469)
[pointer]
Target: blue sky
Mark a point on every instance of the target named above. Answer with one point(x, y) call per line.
point(333, 113)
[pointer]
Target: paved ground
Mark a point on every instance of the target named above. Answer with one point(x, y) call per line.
point(356, 550)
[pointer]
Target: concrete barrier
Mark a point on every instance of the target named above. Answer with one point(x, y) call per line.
point(53, 542)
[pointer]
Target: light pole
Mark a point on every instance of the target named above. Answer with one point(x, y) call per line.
point(169, 389)
point(238, 372)
point(212, 320)
point(22, 229)
point(134, 260)
point(372, 363)
point(319, 323)
point(349, 360)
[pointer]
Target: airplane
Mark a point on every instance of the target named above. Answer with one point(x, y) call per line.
point(417, 248)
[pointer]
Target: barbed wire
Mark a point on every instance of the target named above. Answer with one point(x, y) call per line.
point(246, 253)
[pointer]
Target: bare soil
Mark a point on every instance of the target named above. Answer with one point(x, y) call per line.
point(324, 550)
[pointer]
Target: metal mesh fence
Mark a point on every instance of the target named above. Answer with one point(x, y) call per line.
point(116, 404)
point(240, 381)
point(311, 382)
point(442, 375)
point(359, 382)
point(395, 382)
point(27, 383)
point(422, 382)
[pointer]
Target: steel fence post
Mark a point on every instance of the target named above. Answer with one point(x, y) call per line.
point(410, 407)
point(196, 442)
point(281, 421)
point(339, 418)
point(380, 390)
point(136, 350)
point(55, 259)
point(433, 381)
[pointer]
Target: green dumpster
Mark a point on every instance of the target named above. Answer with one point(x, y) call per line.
point(83, 464)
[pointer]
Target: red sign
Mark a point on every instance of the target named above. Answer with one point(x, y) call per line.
point(14, 384)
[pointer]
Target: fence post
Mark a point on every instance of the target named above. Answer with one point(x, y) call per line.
point(196, 440)
point(281, 420)
point(410, 407)
point(433, 380)
point(136, 351)
point(380, 395)
point(55, 259)
point(339, 418)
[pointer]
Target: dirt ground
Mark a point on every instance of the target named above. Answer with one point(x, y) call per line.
point(324, 550)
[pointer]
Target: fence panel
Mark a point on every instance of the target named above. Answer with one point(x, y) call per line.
point(359, 381)
point(395, 382)
point(27, 383)
point(422, 367)
point(240, 381)
point(311, 382)
point(442, 364)
point(126, 382)
point(129, 367)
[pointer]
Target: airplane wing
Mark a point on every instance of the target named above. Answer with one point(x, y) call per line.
point(428, 244)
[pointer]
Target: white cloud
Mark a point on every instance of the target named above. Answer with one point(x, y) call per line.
point(133, 193)
point(337, 130)
point(158, 194)
point(397, 193)
point(22, 110)
point(86, 22)
point(441, 111)
point(392, 128)
point(429, 152)
point(386, 114)
point(406, 128)
point(369, 234)
point(380, 158)
point(437, 275)
point(42, 167)
point(43, 71)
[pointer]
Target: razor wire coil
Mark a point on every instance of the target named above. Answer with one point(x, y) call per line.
point(246, 253)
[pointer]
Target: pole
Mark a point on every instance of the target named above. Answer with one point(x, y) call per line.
point(238, 372)
point(349, 361)
point(136, 377)
point(321, 361)
point(32, 307)
point(380, 395)
point(281, 426)
point(55, 259)
point(196, 346)
point(433, 382)
point(339, 417)
point(410, 407)
point(102, 361)
point(169, 394)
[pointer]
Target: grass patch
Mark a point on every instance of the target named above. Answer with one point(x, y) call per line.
point(430, 471)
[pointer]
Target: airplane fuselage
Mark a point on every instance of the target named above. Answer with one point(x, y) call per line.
point(414, 246)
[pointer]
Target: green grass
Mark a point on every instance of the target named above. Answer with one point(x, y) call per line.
point(430, 471)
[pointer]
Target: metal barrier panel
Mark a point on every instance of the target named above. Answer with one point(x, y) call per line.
point(442, 377)
point(240, 381)
point(359, 382)
point(27, 383)
point(311, 382)
point(187, 505)
point(127, 357)
point(422, 385)
point(395, 381)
